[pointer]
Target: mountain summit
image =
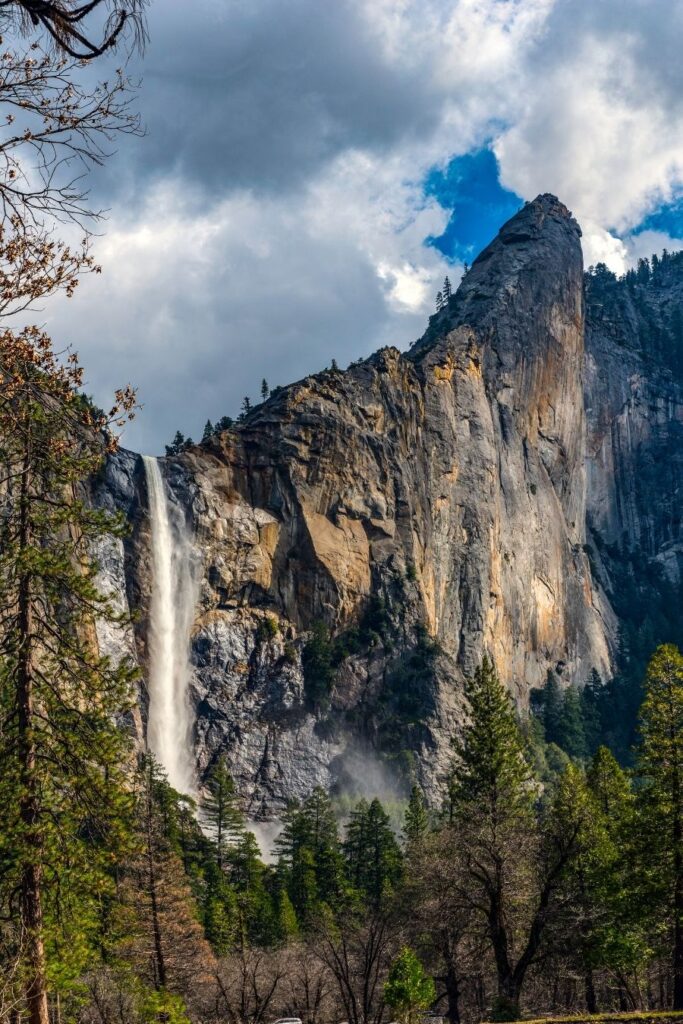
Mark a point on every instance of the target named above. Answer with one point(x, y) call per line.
point(367, 535)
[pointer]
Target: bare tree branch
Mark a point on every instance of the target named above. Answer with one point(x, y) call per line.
point(67, 23)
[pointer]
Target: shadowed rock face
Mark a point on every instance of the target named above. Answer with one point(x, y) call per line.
point(433, 496)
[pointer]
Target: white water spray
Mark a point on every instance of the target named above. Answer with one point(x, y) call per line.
point(172, 605)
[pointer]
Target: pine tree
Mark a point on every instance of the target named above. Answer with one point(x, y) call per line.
point(643, 271)
point(439, 302)
point(208, 431)
point(164, 940)
point(660, 763)
point(446, 290)
point(62, 756)
point(265, 390)
point(492, 809)
point(552, 709)
point(219, 910)
point(490, 756)
point(416, 821)
point(619, 903)
point(323, 839)
point(177, 445)
point(249, 875)
point(592, 697)
point(373, 857)
point(575, 821)
point(310, 857)
point(571, 727)
point(246, 406)
point(221, 810)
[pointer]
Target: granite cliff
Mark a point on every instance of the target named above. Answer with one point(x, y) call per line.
point(365, 536)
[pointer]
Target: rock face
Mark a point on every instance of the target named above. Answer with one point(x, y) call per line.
point(411, 514)
point(634, 404)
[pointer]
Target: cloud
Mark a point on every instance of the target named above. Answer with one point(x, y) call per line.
point(600, 118)
point(278, 212)
point(197, 308)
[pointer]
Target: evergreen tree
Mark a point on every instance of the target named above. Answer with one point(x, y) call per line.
point(446, 290)
point(62, 756)
point(611, 789)
point(552, 709)
point(221, 810)
point(287, 924)
point(334, 366)
point(265, 390)
point(246, 407)
point(323, 839)
point(164, 940)
point(317, 665)
point(177, 445)
point(439, 302)
point(660, 763)
point(490, 755)
point(643, 271)
point(310, 857)
point(408, 990)
point(572, 733)
point(416, 821)
point(208, 431)
point(493, 812)
point(575, 819)
point(618, 939)
point(249, 877)
point(373, 857)
point(219, 910)
point(591, 699)
point(224, 423)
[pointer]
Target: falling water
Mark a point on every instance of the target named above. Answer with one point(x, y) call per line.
point(173, 597)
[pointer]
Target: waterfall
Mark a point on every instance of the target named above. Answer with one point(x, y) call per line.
point(171, 612)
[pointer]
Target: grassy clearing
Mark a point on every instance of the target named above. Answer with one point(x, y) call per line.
point(606, 1018)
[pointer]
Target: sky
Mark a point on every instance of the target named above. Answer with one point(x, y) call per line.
point(311, 171)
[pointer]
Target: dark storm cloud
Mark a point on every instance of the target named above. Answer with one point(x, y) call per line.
point(261, 95)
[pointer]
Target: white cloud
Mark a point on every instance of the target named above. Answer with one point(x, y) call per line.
point(197, 308)
point(595, 124)
point(274, 216)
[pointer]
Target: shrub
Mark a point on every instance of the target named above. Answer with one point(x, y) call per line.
point(267, 629)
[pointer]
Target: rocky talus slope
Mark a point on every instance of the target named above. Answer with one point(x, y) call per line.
point(415, 511)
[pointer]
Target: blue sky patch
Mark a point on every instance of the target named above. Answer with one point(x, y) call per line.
point(470, 188)
point(667, 218)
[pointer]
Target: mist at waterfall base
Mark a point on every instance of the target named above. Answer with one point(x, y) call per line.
point(171, 613)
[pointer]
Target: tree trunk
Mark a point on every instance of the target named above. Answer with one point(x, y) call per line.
point(31, 873)
point(678, 892)
point(591, 1000)
point(159, 959)
point(452, 984)
point(499, 941)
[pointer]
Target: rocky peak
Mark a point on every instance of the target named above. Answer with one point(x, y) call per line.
point(419, 509)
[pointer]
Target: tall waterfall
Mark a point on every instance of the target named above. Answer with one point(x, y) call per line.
point(173, 599)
